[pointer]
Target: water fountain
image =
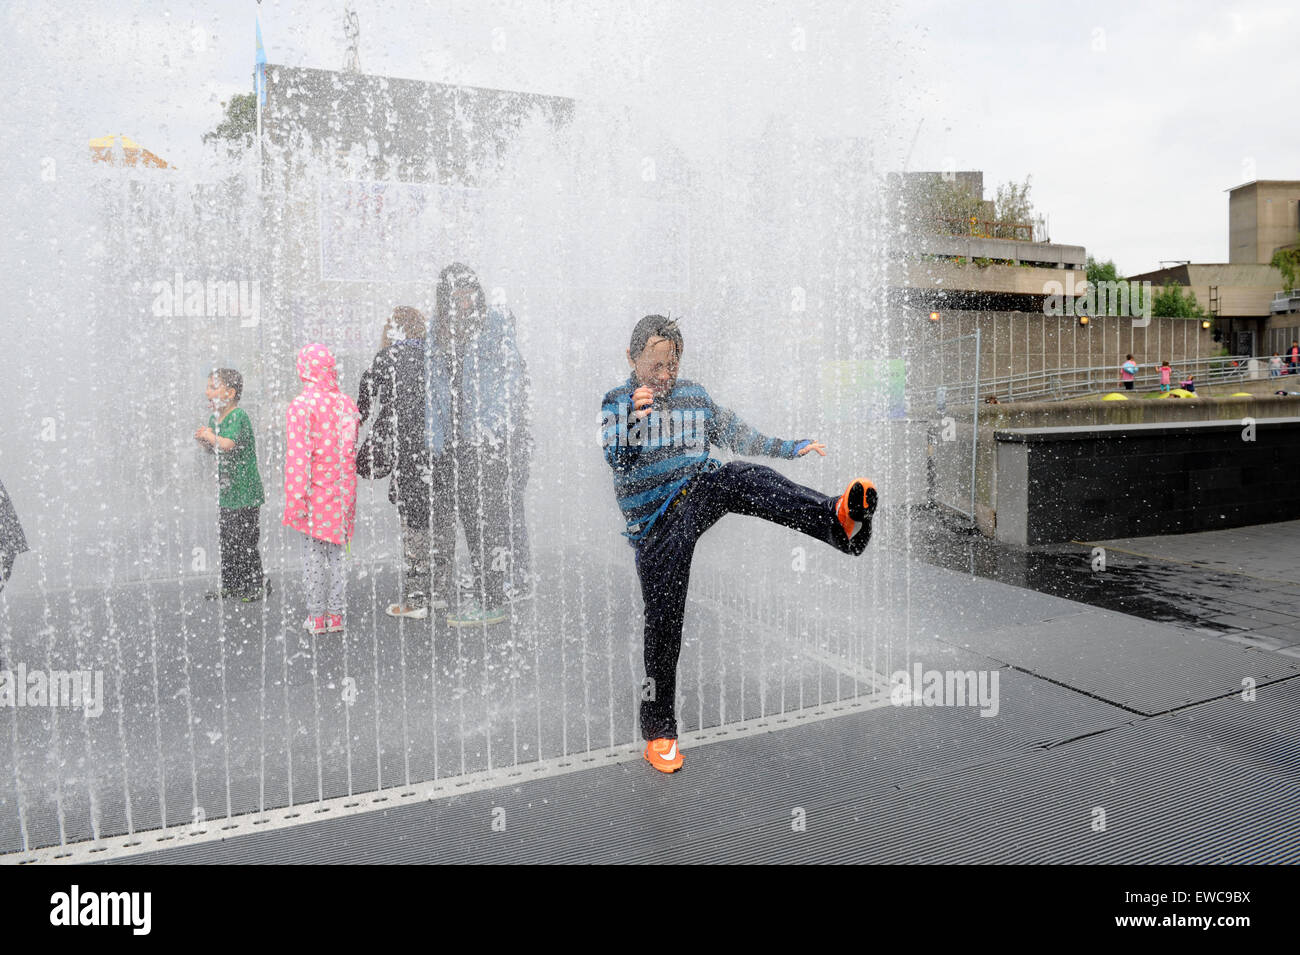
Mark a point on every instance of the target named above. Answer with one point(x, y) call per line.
point(726, 172)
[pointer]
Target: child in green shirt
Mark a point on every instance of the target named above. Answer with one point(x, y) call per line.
point(230, 435)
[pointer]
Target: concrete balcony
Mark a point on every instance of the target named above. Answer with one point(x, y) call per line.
point(1285, 301)
point(1042, 254)
point(942, 275)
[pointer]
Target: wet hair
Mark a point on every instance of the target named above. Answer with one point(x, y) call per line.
point(409, 322)
point(230, 378)
point(655, 326)
point(458, 275)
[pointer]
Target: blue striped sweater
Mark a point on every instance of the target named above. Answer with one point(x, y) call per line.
point(654, 459)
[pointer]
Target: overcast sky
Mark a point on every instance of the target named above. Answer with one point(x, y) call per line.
point(1131, 118)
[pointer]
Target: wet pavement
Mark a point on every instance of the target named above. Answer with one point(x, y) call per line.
point(1241, 584)
point(231, 715)
point(212, 710)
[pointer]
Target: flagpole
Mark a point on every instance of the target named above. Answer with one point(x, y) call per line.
point(259, 89)
point(259, 135)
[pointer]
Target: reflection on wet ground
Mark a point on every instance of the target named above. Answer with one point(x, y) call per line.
point(1240, 585)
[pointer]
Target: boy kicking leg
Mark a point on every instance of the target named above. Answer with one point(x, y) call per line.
point(656, 432)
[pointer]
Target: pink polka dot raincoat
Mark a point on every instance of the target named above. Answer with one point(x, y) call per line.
point(320, 472)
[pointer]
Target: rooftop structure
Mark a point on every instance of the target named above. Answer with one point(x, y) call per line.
point(1263, 216)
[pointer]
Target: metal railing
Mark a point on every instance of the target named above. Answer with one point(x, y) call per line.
point(983, 228)
point(1056, 384)
point(929, 404)
point(1285, 301)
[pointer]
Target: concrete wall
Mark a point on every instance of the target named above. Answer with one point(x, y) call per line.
point(952, 458)
point(1242, 245)
point(1114, 481)
point(1015, 343)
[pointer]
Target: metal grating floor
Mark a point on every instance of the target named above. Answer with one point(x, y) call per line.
point(1096, 709)
point(888, 785)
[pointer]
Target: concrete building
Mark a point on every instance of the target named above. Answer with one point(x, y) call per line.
point(1263, 216)
point(1001, 280)
point(400, 129)
point(1244, 295)
point(1237, 297)
point(969, 262)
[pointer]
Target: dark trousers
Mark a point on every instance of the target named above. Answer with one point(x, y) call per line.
point(6, 567)
point(422, 489)
point(514, 528)
point(490, 503)
point(484, 490)
point(241, 561)
point(663, 562)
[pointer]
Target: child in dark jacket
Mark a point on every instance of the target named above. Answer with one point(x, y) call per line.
point(397, 391)
point(656, 430)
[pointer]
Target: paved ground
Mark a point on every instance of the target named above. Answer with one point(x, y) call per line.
point(1241, 585)
point(1248, 580)
point(1112, 738)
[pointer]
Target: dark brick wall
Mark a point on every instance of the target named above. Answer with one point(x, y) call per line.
point(1102, 483)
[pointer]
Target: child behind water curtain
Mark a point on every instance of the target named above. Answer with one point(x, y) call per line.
point(320, 483)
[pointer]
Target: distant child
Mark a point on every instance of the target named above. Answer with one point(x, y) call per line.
point(1165, 372)
point(1189, 384)
point(230, 435)
point(320, 484)
point(1275, 366)
point(656, 430)
point(1293, 358)
point(1127, 372)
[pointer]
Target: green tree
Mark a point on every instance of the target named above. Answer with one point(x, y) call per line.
point(1011, 202)
point(945, 206)
point(1101, 271)
point(239, 125)
point(949, 206)
point(1287, 261)
point(1176, 301)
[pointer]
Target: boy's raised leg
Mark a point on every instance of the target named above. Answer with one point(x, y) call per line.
point(740, 487)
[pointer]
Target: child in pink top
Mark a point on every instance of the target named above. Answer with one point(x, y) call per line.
point(1165, 372)
point(1128, 372)
point(320, 483)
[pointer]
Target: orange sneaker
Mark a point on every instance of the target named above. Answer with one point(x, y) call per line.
point(663, 755)
point(855, 509)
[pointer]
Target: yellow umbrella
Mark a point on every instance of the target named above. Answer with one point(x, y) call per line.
point(1179, 393)
point(124, 151)
point(1115, 396)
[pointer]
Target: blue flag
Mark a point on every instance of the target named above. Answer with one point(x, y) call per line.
point(261, 68)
